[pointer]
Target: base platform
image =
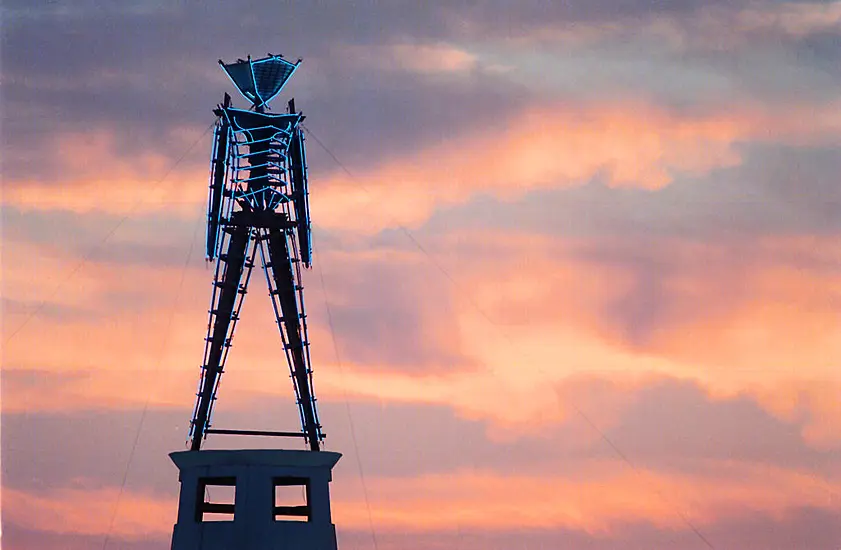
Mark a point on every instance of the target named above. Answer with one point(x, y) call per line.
point(254, 499)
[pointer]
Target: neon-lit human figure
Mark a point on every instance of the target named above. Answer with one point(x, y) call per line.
point(258, 201)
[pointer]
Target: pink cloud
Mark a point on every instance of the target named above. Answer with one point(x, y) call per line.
point(601, 499)
point(89, 512)
point(732, 323)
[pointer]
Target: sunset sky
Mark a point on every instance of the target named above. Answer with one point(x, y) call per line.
point(582, 260)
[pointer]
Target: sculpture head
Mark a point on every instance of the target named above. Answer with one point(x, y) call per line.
point(260, 80)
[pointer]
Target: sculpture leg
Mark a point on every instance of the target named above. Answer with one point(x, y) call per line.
point(222, 317)
point(279, 270)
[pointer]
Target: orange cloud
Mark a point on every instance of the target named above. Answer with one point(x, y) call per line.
point(424, 59)
point(776, 338)
point(549, 146)
point(134, 356)
point(759, 325)
point(550, 346)
point(553, 146)
point(601, 499)
point(557, 328)
point(95, 177)
point(89, 512)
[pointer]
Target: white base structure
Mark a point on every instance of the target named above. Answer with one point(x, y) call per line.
point(254, 499)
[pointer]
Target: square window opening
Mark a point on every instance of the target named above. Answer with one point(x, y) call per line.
point(291, 499)
point(216, 499)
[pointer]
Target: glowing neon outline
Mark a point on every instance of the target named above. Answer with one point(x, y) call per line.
point(251, 64)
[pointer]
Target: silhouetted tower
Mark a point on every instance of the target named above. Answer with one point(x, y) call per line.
point(258, 201)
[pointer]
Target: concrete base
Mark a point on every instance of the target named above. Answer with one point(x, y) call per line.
point(252, 520)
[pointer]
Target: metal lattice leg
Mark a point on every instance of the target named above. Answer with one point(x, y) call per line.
point(284, 291)
point(223, 315)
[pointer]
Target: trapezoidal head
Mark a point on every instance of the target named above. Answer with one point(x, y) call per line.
point(260, 80)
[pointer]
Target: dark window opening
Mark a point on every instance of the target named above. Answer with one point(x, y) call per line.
point(216, 499)
point(291, 499)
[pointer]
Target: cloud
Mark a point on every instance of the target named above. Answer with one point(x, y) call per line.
point(723, 464)
point(141, 75)
point(424, 59)
point(474, 500)
point(547, 147)
point(388, 311)
point(17, 538)
point(86, 512)
point(87, 69)
point(809, 528)
point(661, 425)
point(698, 25)
point(527, 313)
point(741, 318)
point(795, 18)
point(775, 191)
point(96, 177)
point(480, 500)
point(677, 427)
point(634, 205)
